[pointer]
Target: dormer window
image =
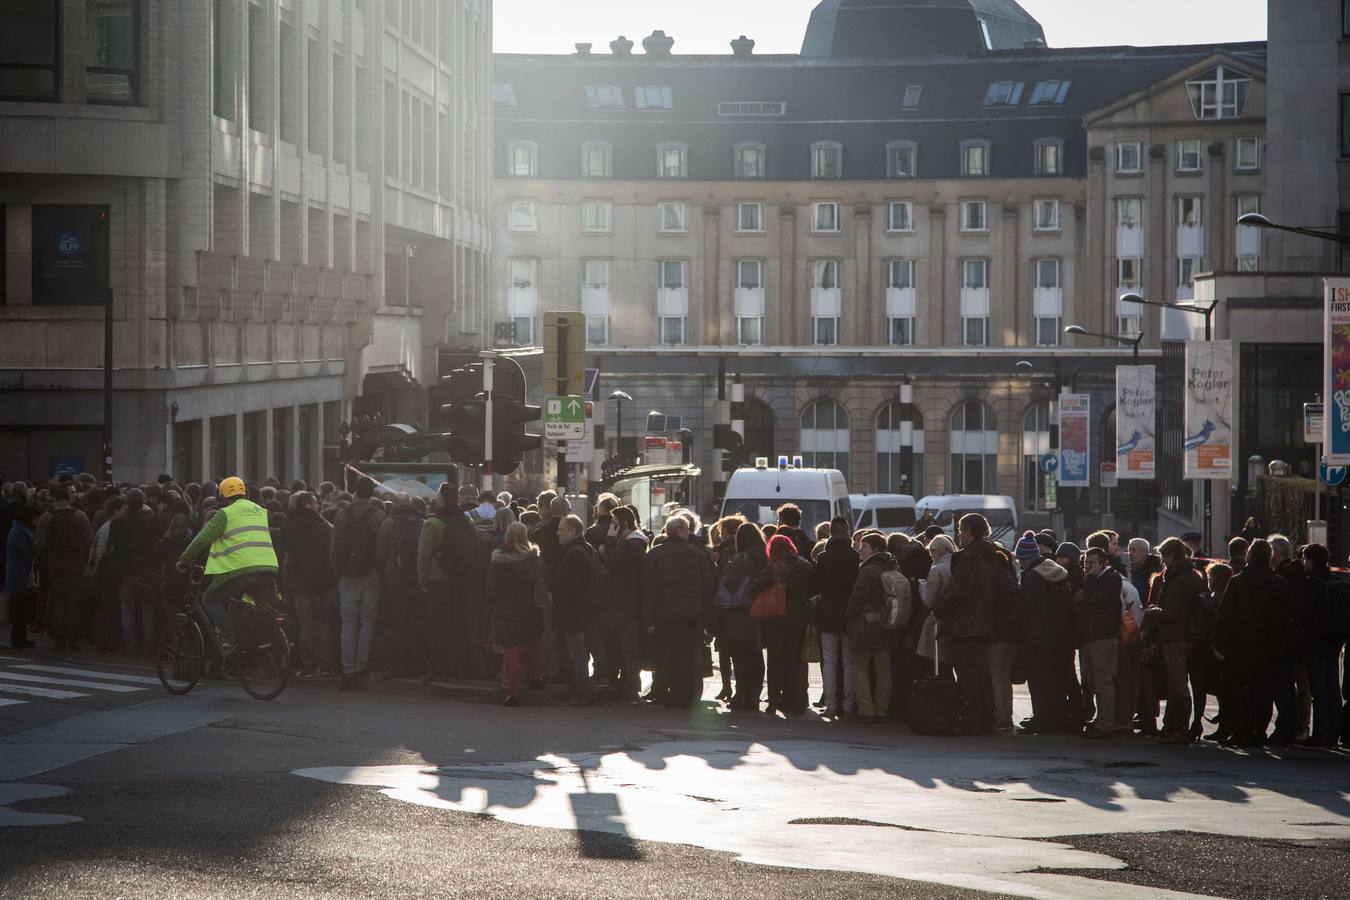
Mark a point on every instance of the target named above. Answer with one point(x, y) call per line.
point(1003, 93)
point(604, 96)
point(672, 161)
point(913, 94)
point(1049, 93)
point(975, 159)
point(902, 159)
point(522, 159)
point(827, 160)
point(1220, 93)
point(749, 160)
point(654, 96)
point(503, 96)
point(1049, 156)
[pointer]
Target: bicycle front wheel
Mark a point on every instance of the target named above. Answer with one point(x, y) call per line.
point(265, 668)
point(180, 658)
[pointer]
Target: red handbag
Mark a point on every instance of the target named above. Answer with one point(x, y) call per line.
point(770, 603)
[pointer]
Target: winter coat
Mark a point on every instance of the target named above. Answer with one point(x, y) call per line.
point(1176, 596)
point(867, 603)
point(131, 544)
point(393, 531)
point(599, 530)
point(82, 532)
point(620, 600)
point(1007, 616)
point(1099, 609)
point(449, 533)
point(578, 576)
point(514, 617)
point(734, 624)
point(1141, 576)
point(20, 551)
point(1047, 605)
point(931, 592)
point(837, 571)
point(1252, 616)
point(968, 609)
point(1320, 629)
point(309, 565)
point(677, 582)
point(803, 543)
point(797, 573)
point(545, 537)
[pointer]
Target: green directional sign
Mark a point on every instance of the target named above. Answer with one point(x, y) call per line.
point(565, 418)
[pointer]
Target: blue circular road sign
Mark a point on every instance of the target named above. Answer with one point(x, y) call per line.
point(1331, 476)
point(1049, 463)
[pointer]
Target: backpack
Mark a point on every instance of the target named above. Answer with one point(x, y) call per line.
point(460, 554)
point(898, 603)
point(64, 541)
point(402, 559)
point(1204, 618)
point(356, 549)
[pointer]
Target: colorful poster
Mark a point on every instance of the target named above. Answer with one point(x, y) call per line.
point(1208, 439)
point(1073, 441)
point(1135, 421)
point(1336, 372)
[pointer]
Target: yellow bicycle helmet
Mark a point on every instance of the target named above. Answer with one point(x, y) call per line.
point(232, 487)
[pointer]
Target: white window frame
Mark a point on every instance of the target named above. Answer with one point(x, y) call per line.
point(682, 170)
point(818, 168)
point(1004, 93)
point(525, 325)
point(519, 226)
point(682, 266)
point(1121, 204)
point(1050, 92)
point(663, 323)
point(1121, 168)
point(1045, 330)
point(1250, 141)
point(604, 96)
point(526, 166)
point(900, 331)
point(899, 217)
point(820, 207)
point(1243, 203)
point(749, 147)
point(971, 325)
point(896, 171)
point(1049, 157)
point(1196, 204)
point(1184, 149)
point(604, 147)
point(759, 217)
point(607, 227)
point(968, 170)
point(653, 96)
point(1054, 222)
point(900, 275)
point(967, 208)
point(589, 268)
point(1188, 265)
point(1208, 94)
point(747, 324)
point(672, 217)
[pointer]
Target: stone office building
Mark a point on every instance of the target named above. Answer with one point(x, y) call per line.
point(284, 201)
point(874, 232)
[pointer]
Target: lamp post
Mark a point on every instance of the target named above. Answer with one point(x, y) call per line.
point(619, 398)
point(1134, 343)
point(1321, 233)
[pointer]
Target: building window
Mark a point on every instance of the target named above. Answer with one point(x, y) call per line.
point(974, 215)
point(1003, 93)
point(29, 50)
point(749, 161)
point(1188, 156)
point(900, 447)
point(975, 159)
point(1187, 266)
point(750, 217)
point(674, 216)
point(1128, 212)
point(597, 216)
point(1129, 158)
point(672, 161)
point(522, 159)
point(1048, 303)
point(503, 96)
point(672, 302)
point(826, 436)
point(1248, 241)
point(222, 99)
point(1046, 215)
point(523, 217)
point(899, 216)
point(751, 108)
point(825, 217)
point(596, 160)
point(900, 303)
point(1049, 157)
point(975, 302)
point(1247, 154)
point(523, 299)
point(596, 300)
point(902, 159)
point(71, 259)
point(604, 96)
point(1129, 278)
point(974, 449)
point(1220, 93)
point(749, 302)
point(113, 39)
point(913, 95)
point(653, 96)
point(1049, 93)
point(1035, 444)
point(825, 302)
point(1189, 212)
point(827, 160)
point(597, 330)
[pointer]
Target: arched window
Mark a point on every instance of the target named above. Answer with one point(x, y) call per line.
point(900, 446)
point(974, 449)
point(1035, 444)
point(825, 436)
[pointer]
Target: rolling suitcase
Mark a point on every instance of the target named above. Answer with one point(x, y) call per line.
point(936, 705)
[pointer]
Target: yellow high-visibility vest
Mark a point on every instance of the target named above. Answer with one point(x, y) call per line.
point(246, 543)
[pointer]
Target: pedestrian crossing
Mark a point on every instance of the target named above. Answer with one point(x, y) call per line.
point(23, 681)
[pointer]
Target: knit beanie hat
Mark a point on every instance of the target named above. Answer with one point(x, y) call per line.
point(1070, 551)
point(1027, 548)
point(1046, 542)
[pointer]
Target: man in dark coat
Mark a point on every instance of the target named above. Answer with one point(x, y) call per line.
point(401, 624)
point(1044, 636)
point(1287, 722)
point(836, 570)
point(309, 583)
point(677, 587)
point(1099, 629)
point(966, 622)
point(131, 546)
point(870, 642)
point(573, 590)
point(1170, 624)
point(1249, 616)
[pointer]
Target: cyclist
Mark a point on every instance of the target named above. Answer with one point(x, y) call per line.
point(241, 558)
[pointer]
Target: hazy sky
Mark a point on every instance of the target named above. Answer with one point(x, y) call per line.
point(706, 26)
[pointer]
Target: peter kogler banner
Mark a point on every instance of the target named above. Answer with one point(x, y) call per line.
point(1208, 439)
point(1135, 417)
point(1336, 371)
point(1073, 441)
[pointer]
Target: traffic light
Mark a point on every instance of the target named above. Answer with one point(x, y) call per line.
point(466, 414)
point(510, 413)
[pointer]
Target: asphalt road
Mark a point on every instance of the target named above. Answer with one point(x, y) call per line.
point(133, 793)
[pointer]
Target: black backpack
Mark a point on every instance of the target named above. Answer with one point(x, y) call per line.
point(63, 536)
point(356, 548)
point(402, 560)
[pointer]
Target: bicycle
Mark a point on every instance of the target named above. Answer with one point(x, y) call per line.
point(260, 657)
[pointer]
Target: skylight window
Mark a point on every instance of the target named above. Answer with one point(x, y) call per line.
point(504, 95)
point(656, 96)
point(913, 94)
point(1049, 93)
point(604, 96)
point(1003, 93)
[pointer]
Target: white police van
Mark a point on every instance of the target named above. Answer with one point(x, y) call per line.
point(757, 493)
point(947, 510)
point(887, 513)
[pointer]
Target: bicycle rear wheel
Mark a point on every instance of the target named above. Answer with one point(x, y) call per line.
point(265, 667)
point(180, 658)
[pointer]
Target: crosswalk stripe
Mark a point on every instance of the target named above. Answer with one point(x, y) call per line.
point(90, 673)
point(4, 702)
point(6, 675)
point(46, 693)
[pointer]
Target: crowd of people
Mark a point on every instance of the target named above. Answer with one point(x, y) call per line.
point(931, 629)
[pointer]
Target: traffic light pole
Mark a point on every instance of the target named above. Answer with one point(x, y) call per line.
point(488, 358)
point(564, 389)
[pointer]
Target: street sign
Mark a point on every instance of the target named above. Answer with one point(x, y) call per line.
point(564, 352)
point(565, 418)
point(583, 451)
point(1312, 423)
point(1331, 476)
point(1109, 477)
point(1049, 463)
point(1051, 492)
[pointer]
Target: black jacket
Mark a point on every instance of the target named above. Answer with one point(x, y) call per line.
point(1046, 605)
point(1176, 602)
point(837, 571)
point(869, 596)
point(514, 616)
point(599, 530)
point(309, 563)
point(734, 623)
point(545, 536)
point(1005, 603)
point(1254, 617)
point(131, 546)
point(677, 582)
point(968, 609)
point(578, 574)
point(1141, 576)
point(1099, 610)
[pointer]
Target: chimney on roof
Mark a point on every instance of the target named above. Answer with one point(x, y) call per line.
point(622, 47)
point(658, 44)
point(742, 47)
point(583, 49)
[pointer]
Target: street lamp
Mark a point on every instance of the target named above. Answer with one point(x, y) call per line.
point(620, 398)
point(1118, 338)
point(1206, 311)
point(1256, 220)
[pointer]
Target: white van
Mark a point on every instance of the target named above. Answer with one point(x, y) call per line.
point(947, 509)
point(757, 493)
point(887, 513)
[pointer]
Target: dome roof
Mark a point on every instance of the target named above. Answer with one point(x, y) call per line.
point(888, 29)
